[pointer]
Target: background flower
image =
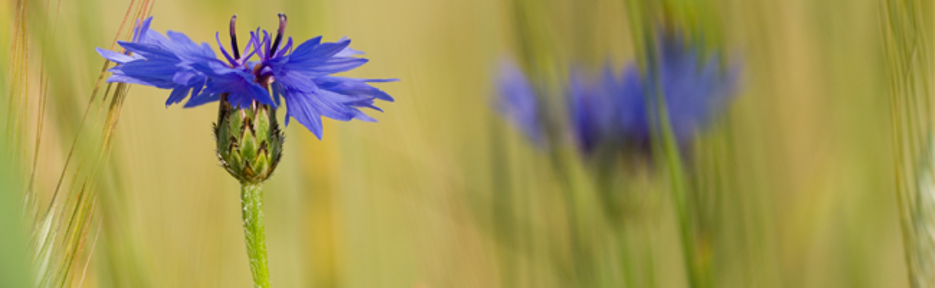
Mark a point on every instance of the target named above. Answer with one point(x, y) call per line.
point(517, 100)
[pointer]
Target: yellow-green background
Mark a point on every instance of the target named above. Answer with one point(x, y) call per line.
point(407, 201)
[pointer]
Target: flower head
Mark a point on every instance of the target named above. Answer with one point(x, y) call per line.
point(630, 104)
point(694, 86)
point(303, 76)
point(617, 110)
point(592, 110)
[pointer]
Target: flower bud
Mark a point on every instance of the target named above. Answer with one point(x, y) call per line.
point(249, 142)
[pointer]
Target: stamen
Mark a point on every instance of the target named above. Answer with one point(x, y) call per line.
point(257, 44)
point(266, 42)
point(284, 49)
point(234, 38)
point(251, 47)
point(230, 60)
point(282, 29)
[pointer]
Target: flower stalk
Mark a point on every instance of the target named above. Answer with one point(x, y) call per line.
point(251, 197)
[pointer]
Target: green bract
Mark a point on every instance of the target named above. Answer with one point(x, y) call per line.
point(249, 142)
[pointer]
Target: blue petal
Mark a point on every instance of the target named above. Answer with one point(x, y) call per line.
point(299, 107)
point(330, 106)
point(178, 94)
point(322, 67)
point(114, 56)
point(141, 29)
point(158, 83)
point(325, 50)
point(314, 59)
point(352, 86)
point(307, 46)
point(148, 68)
point(182, 45)
point(202, 98)
point(348, 52)
point(518, 102)
point(240, 86)
point(278, 91)
point(148, 50)
point(365, 104)
point(293, 80)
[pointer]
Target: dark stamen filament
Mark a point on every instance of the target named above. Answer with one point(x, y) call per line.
point(234, 38)
point(282, 29)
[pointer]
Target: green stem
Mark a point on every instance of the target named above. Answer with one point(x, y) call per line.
point(251, 196)
point(669, 155)
point(579, 264)
point(680, 197)
point(629, 276)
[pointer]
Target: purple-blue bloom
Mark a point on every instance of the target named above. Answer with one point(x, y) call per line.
point(518, 101)
point(609, 109)
point(630, 103)
point(302, 76)
point(694, 87)
point(592, 109)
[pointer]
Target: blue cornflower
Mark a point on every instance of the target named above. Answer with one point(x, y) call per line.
point(631, 105)
point(614, 111)
point(518, 102)
point(694, 86)
point(302, 76)
point(592, 110)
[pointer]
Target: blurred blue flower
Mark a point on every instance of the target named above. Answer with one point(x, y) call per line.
point(592, 109)
point(612, 110)
point(518, 102)
point(695, 87)
point(630, 104)
point(302, 76)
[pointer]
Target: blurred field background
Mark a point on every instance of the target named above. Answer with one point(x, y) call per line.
point(799, 177)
